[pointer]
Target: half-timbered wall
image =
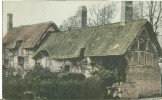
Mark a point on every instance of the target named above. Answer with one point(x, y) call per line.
point(143, 68)
point(19, 59)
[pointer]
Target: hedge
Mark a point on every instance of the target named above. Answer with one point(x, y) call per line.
point(45, 85)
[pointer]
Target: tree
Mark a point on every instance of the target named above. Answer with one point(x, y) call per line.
point(97, 15)
point(101, 15)
point(155, 13)
point(152, 11)
point(71, 22)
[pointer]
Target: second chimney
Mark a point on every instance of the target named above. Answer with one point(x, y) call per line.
point(126, 10)
point(82, 16)
point(9, 21)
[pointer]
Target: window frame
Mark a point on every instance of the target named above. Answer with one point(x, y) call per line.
point(150, 53)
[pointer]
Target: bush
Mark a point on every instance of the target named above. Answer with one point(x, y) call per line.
point(71, 76)
point(13, 87)
point(28, 95)
point(52, 89)
point(43, 84)
point(41, 73)
point(108, 77)
point(92, 88)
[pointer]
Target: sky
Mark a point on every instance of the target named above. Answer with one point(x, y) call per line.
point(26, 12)
point(32, 12)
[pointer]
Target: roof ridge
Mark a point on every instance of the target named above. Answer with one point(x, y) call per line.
point(105, 25)
point(47, 22)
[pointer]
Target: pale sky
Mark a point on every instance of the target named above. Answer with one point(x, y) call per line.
point(31, 12)
point(28, 12)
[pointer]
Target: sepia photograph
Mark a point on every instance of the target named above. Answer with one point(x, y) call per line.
point(81, 50)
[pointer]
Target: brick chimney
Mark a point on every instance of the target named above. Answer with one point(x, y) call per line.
point(82, 17)
point(9, 21)
point(126, 10)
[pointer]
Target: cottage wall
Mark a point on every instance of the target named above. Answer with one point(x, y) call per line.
point(21, 60)
point(52, 65)
point(31, 63)
point(146, 78)
point(15, 61)
point(60, 65)
point(10, 61)
point(18, 52)
point(143, 68)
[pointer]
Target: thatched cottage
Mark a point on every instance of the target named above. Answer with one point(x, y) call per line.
point(129, 46)
point(21, 42)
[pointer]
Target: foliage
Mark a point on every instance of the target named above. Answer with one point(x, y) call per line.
point(107, 70)
point(13, 87)
point(44, 85)
point(40, 83)
point(71, 76)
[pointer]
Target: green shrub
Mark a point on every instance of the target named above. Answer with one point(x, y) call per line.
point(13, 87)
point(28, 95)
point(92, 88)
point(45, 85)
point(71, 76)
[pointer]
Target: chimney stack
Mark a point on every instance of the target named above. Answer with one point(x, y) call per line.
point(141, 5)
point(82, 16)
point(126, 10)
point(9, 21)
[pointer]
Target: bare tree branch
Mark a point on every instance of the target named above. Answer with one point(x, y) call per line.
point(101, 15)
point(159, 16)
point(153, 13)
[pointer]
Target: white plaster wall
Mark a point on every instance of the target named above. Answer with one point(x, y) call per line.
point(88, 71)
point(11, 62)
point(15, 59)
point(31, 62)
point(52, 65)
point(75, 69)
point(57, 66)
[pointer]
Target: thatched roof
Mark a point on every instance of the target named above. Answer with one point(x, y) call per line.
point(29, 34)
point(112, 39)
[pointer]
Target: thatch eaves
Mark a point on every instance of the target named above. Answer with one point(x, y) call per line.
point(112, 39)
point(28, 34)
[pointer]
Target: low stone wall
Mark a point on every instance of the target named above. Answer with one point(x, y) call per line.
point(147, 80)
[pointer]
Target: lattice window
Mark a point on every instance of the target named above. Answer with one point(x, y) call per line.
point(141, 58)
point(143, 51)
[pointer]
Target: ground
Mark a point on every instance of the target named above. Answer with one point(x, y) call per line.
point(156, 98)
